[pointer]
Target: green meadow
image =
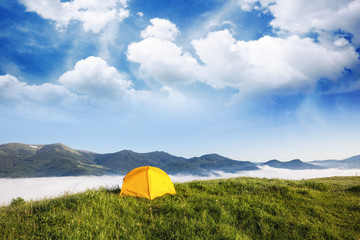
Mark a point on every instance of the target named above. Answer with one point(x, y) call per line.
point(239, 208)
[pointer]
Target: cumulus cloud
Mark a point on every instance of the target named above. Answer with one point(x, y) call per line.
point(17, 91)
point(284, 65)
point(163, 61)
point(92, 82)
point(94, 78)
point(94, 15)
point(293, 64)
point(47, 101)
point(300, 17)
point(160, 59)
point(162, 29)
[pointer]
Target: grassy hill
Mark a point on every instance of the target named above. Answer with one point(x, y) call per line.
point(241, 208)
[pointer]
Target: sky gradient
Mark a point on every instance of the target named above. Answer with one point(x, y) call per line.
point(248, 79)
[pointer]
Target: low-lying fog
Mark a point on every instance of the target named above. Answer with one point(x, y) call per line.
point(38, 188)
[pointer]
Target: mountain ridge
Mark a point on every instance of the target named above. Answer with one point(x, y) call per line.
point(46, 160)
point(295, 164)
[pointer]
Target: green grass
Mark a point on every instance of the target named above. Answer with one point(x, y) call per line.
point(241, 208)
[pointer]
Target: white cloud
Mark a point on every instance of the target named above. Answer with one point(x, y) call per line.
point(13, 89)
point(96, 20)
point(140, 14)
point(94, 78)
point(94, 15)
point(163, 61)
point(92, 82)
point(300, 17)
point(162, 29)
point(292, 64)
point(248, 5)
point(289, 65)
point(124, 2)
point(172, 94)
point(122, 14)
point(166, 100)
point(47, 102)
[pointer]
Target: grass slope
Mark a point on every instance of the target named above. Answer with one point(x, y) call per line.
point(241, 208)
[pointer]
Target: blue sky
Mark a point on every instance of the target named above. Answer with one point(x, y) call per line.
point(248, 79)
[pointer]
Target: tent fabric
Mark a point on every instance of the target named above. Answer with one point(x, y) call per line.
point(147, 182)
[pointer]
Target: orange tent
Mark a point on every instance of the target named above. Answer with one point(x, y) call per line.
point(147, 182)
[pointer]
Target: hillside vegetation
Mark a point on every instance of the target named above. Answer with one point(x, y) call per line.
point(241, 208)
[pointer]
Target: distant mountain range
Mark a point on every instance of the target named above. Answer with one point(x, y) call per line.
point(295, 164)
point(23, 160)
point(348, 163)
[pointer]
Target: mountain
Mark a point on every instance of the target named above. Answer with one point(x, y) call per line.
point(211, 163)
point(295, 164)
point(123, 161)
point(12, 157)
point(18, 149)
point(126, 160)
point(348, 163)
point(21, 160)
